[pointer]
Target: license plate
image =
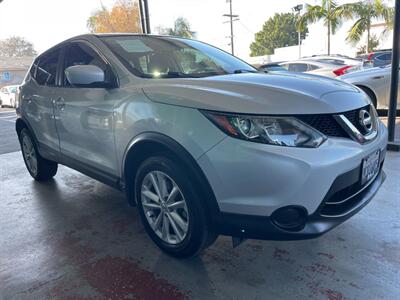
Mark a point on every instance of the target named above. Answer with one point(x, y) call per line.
point(370, 167)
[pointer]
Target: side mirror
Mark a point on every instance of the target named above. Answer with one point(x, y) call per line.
point(85, 75)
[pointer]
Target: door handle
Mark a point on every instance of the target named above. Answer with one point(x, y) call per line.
point(27, 99)
point(60, 103)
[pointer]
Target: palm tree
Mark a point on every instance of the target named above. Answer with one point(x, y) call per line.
point(365, 12)
point(330, 12)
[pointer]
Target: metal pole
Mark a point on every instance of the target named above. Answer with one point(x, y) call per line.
point(146, 11)
point(394, 84)
point(232, 46)
point(142, 16)
point(299, 34)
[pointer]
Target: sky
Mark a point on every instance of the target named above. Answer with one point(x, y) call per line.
point(47, 22)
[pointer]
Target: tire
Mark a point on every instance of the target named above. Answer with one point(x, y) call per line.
point(181, 236)
point(371, 95)
point(38, 167)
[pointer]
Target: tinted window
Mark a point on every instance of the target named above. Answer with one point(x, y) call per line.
point(32, 71)
point(47, 68)
point(156, 57)
point(82, 54)
point(312, 67)
point(298, 67)
point(386, 56)
point(274, 68)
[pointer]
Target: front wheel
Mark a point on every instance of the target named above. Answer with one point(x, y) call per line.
point(40, 168)
point(171, 208)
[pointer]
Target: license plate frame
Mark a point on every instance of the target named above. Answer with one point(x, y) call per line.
point(370, 166)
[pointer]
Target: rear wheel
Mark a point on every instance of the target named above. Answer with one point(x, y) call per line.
point(171, 209)
point(40, 168)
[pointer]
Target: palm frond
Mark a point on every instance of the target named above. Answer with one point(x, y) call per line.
point(356, 31)
point(313, 14)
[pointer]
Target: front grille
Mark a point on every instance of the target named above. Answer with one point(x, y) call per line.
point(353, 117)
point(327, 124)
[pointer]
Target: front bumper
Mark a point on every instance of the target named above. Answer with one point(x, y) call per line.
point(253, 181)
point(320, 222)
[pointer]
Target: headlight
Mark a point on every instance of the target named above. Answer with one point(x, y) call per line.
point(273, 130)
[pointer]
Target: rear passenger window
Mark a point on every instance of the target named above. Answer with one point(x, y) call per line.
point(47, 68)
point(32, 71)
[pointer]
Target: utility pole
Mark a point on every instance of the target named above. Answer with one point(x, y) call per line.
point(394, 84)
point(231, 16)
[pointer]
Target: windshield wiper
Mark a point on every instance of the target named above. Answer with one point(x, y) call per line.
point(240, 71)
point(178, 75)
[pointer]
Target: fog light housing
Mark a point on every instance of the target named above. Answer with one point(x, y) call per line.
point(290, 218)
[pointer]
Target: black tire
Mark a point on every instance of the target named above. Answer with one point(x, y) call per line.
point(198, 236)
point(45, 169)
point(371, 95)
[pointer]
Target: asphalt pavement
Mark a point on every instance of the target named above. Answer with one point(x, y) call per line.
point(8, 138)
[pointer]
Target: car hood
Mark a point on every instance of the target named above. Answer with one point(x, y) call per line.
point(257, 93)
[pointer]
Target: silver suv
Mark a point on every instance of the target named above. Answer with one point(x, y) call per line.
point(202, 143)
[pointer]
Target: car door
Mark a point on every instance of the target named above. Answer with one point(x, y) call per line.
point(84, 114)
point(38, 99)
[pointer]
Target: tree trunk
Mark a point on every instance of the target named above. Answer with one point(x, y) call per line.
point(329, 37)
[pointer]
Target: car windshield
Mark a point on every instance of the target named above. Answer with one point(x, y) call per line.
point(167, 57)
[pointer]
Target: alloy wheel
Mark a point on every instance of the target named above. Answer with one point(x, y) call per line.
point(29, 153)
point(165, 207)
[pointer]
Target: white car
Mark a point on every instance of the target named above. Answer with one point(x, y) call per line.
point(375, 82)
point(201, 142)
point(7, 96)
point(316, 67)
point(344, 60)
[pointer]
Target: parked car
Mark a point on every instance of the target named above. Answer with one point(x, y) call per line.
point(316, 67)
point(378, 58)
point(272, 67)
point(343, 60)
point(7, 96)
point(375, 82)
point(201, 142)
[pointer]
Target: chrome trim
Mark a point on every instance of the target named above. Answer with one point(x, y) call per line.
point(358, 192)
point(361, 203)
point(354, 133)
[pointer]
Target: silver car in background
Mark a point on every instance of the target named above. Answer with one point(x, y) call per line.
point(375, 82)
point(327, 68)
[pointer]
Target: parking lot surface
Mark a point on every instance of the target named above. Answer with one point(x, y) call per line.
point(75, 238)
point(8, 138)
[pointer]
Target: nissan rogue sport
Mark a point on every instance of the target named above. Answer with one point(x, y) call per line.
point(201, 142)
